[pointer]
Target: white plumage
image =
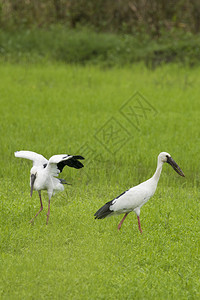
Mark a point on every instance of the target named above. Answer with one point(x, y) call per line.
point(134, 198)
point(44, 171)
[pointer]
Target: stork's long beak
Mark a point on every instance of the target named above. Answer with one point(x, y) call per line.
point(175, 166)
point(32, 182)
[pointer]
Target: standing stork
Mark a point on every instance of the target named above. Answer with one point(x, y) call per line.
point(43, 173)
point(134, 198)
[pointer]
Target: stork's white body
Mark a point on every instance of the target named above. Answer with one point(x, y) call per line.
point(134, 198)
point(44, 172)
point(45, 180)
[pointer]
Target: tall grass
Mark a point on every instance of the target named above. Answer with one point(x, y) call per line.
point(56, 108)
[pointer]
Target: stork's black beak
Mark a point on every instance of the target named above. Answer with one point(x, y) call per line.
point(33, 177)
point(175, 166)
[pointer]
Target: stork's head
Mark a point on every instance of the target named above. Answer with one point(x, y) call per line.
point(32, 178)
point(166, 157)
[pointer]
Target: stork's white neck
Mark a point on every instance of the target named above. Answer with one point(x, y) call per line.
point(158, 171)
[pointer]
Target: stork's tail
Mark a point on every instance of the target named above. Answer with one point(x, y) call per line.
point(63, 181)
point(104, 211)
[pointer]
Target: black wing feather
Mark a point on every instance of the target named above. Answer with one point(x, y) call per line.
point(104, 211)
point(71, 162)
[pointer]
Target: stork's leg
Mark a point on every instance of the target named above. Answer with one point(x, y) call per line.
point(139, 225)
point(120, 224)
point(48, 213)
point(41, 207)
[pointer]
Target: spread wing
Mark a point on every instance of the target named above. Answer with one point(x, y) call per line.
point(58, 162)
point(37, 159)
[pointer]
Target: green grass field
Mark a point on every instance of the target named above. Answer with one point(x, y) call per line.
point(54, 109)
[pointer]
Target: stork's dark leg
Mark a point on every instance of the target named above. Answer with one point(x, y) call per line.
point(139, 225)
point(48, 213)
point(120, 224)
point(41, 207)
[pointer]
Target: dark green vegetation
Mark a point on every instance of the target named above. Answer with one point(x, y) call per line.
point(82, 46)
point(101, 32)
point(127, 16)
point(71, 109)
